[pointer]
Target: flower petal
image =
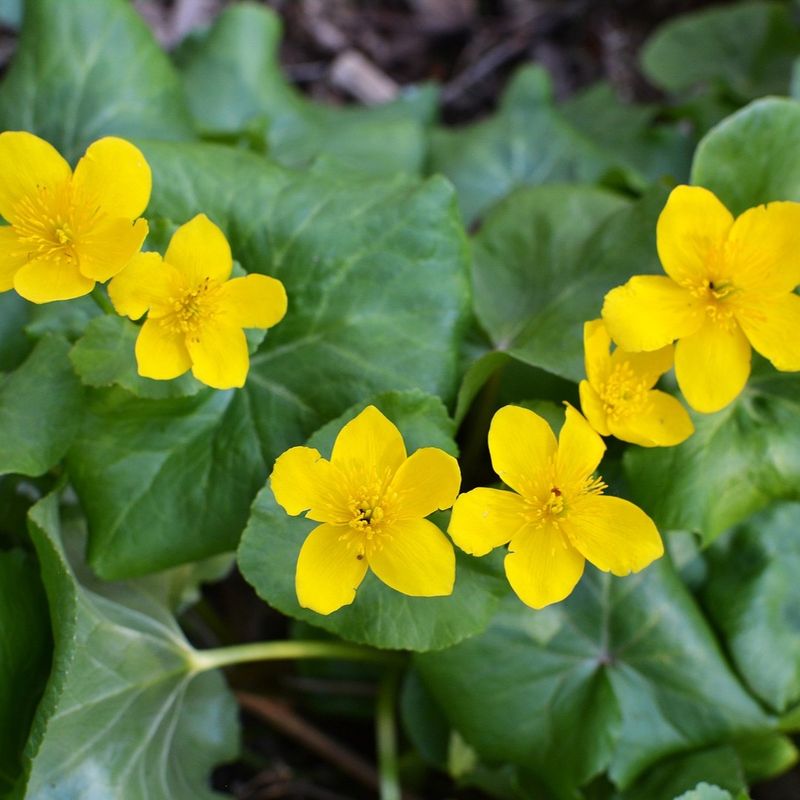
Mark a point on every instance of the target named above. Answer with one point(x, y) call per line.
point(691, 233)
point(522, 446)
point(647, 366)
point(370, 441)
point(161, 352)
point(114, 175)
point(414, 557)
point(295, 478)
point(615, 535)
point(764, 248)
point(542, 566)
point(664, 423)
point(145, 281)
point(255, 301)
point(593, 408)
point(712, 366)
point(109, 247)
point(427, 481)
point(44, 281)
point(773, 328)
point(219, 355)
point(200, 250)
point(28, 165)
point(486, 518)
point(328, 571)
point(580, 449)
point(12, 257)
point(649, 312)
point(596, 351)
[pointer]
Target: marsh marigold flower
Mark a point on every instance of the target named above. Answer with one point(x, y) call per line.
point(618, 398)
point(68, 230)
point(371, 500)
point(729, 286)
point(556, 517)
point(195, 314)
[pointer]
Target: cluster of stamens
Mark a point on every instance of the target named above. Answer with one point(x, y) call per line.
point(623, 393)
point(716, 296)
point(191, 309)
point(549, 508)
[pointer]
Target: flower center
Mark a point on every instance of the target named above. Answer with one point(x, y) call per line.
point(716, 295)
point(553, 506)
point(192, 308)
point(370, 510)
point(623, 393)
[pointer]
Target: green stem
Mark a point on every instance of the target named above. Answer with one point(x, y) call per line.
point(102, 301)
point(204, 660)
point(386, 735)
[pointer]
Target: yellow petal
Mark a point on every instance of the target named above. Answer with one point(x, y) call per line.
point(114, 176)
point(145, 281)
point(542, 566)
point(30, 166)
point(593, 408)
point(370, 441)
point(613, 534)
point(649, 312)
point(295, 479)
point(486, 518)
point(328, 571)
point(255, 301)
point(160, 352)
point(647, 367)
point(691, 233)
point(712, 366)
point(12, 257)
point(664, 423)
point(44, 281)
point(580, 449)
point(522, 446)
point(107, 248)
point(596, 351)
point(200, 250)
point(219, 355)
point(773, 327)
point(764, 248)
point(414, 557)
point(426, 481)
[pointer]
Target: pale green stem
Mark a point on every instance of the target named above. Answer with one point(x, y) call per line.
point(203, 660)
point(386, 735)
point(102, 301)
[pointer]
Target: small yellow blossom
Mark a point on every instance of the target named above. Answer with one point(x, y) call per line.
point(619, 398)
point(68, 230)
point(195, 314)
point(372, 501)
point(556, 517)
point(730, 287)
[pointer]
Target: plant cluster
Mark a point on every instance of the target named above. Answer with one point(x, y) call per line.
point(249, 329)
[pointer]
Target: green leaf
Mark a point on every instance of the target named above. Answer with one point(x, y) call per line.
point(545, 257)
point(25, 652)
point(705, 791)
point(379, 616)
point(40, 408)
point(125, 715)
point(753, 156)
point(527, 142)
point(753, 596)
point(744, 66)
point(375, 273)
point(14, 345)
point(104, 356)
point(85, 69)
point(626, 670)
point(737, 462)
point(234, 84)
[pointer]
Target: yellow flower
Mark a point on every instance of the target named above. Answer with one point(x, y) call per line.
point(556, 517)
point(372, 501)
point(195, 314)
point(67, 230)
point(730, 286)
point(619, 398)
